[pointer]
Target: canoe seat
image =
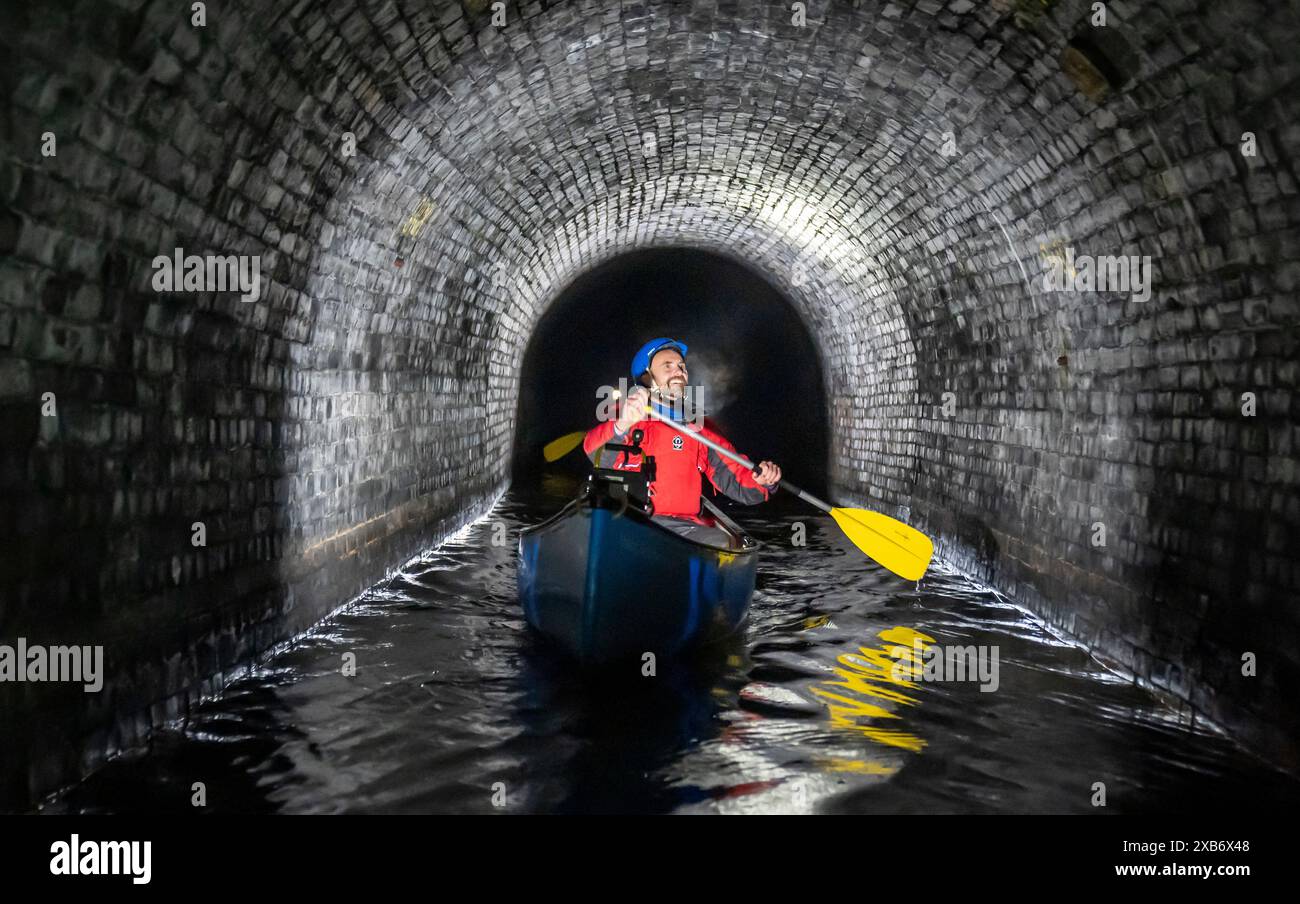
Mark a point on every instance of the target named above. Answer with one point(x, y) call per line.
point(710, 531)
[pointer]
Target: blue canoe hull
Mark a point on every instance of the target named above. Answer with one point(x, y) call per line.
point(609, 585)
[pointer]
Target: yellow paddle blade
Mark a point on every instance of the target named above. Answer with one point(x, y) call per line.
point(558, 448)
point(902, 549)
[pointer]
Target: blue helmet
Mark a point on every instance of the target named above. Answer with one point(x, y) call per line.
point(641, 361)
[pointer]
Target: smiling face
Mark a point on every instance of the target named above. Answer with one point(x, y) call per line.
point(668, 371)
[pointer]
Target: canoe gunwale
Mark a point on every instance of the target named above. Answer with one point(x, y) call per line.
point(590, 497)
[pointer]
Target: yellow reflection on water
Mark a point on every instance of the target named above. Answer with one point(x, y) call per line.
point(880, 674)
point(857, 767)
point(559, 484)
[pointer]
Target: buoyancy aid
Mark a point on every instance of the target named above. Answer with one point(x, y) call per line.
point(679, 462)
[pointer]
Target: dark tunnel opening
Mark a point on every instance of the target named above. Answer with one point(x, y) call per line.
point(748, 350)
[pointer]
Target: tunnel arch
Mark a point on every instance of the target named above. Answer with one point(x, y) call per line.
point(738, 324)
point(870, 366)
point(326, 428)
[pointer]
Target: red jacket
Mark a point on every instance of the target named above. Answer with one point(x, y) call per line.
point(679, 462)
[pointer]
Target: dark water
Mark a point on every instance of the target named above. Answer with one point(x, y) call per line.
point(454, 704)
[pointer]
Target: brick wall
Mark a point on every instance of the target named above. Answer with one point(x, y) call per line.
point(900, 169)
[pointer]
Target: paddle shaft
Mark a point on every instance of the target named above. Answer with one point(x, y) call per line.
point(897, 528)
point(737, 458)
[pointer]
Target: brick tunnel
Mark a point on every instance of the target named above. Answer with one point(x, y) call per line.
point(421, 181)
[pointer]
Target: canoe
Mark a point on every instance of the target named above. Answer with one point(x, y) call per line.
point(608, 584)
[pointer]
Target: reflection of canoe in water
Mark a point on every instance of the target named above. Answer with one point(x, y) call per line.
point(607, 583)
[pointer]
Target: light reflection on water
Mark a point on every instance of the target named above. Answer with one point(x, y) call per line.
point(805, 713)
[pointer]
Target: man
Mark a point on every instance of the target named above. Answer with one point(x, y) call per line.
point(660, 368)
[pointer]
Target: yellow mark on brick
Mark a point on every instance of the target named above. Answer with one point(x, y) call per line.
point(415, 222)
point(344, 533)
point(1053, 254)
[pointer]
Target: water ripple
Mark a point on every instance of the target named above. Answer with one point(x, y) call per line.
point(453, 707)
